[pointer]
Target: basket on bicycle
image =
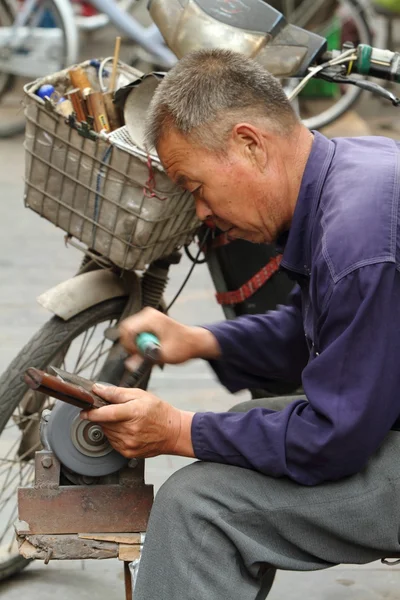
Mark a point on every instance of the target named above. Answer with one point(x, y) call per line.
point(106, 192)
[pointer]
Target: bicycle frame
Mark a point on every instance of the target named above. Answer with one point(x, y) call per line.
point(99, 20)
point(149, 38)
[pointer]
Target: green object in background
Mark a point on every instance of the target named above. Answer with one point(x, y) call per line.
point(316, 88)
point(393, 5)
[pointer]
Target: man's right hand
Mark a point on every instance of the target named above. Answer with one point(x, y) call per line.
point(179, 343)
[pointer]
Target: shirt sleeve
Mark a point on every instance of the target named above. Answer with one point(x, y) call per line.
point(259, 348)
point(352, 387)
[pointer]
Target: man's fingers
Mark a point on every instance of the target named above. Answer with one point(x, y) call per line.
point(133, 363)
point(114, 394)
point(147, 320)
point(127, 337)
point(108, 414)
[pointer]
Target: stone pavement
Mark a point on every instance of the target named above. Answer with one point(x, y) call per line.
point(33, 258)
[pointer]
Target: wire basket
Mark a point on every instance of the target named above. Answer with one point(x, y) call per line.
point(107, 193)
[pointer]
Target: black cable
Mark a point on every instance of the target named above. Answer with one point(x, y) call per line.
point(201, 246)
point(193, 258)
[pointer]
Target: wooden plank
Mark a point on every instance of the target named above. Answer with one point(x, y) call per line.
point(128, 552)
point(118, 538)
point(65, 547)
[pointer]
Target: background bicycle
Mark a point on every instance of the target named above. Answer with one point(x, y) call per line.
point(44, 36)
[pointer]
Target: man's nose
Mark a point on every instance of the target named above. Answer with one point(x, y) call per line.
point(202, 210)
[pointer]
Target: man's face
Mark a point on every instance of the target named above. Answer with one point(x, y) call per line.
point(241, 190)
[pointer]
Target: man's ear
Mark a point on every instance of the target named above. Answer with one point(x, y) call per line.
point(251, 144)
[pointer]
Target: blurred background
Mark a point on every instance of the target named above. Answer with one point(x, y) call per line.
point(34, 258)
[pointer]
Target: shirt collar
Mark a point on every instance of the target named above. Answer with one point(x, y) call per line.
point(296, 256)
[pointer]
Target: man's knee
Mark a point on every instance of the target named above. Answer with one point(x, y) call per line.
point(249, 404)
point(244, 406)
point(189, 488)
point(275, 403)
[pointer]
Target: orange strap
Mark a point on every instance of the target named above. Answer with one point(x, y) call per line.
point(251, 286)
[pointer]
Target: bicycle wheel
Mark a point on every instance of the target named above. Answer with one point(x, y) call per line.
point(79, 346)
point(23, 61)
point(321, 103)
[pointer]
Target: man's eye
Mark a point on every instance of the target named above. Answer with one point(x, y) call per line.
point(198, 191)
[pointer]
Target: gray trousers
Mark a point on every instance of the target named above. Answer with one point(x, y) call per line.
point(215, 530)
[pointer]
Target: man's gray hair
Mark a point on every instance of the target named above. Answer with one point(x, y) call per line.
point(209, 91)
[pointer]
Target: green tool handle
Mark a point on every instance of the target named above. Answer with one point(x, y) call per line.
point(375, 62)
point(149, 346)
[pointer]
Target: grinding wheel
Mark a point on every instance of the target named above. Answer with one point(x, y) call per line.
point(81, 445)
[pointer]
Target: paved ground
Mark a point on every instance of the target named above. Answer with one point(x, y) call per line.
point(33, 258)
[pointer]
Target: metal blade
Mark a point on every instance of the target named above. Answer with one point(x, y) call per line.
point(86, 384)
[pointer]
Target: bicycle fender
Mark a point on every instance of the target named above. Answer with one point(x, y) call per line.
point(75, 295)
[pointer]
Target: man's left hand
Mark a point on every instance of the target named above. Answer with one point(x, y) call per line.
point(140, 425)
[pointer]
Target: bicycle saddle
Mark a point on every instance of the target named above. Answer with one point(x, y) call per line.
point(251, 27)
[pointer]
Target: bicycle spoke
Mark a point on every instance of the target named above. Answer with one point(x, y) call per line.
point(12, 447)
point(99, 355)
point(16, 476)
point(23, 482)
point(11, 495)
point(22, 420)
point(5, 484)
point(90, 358)
point(87, 365)
point(18, 441)
point(85, 348)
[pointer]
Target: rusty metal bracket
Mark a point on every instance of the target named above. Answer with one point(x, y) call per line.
point(51, 508)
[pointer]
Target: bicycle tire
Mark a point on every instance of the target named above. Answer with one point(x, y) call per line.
point(55, 335)
point(63, 16)
point(6, 18)
point(359, 14)
point(9, 131)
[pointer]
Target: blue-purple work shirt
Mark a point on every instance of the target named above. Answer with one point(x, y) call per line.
point(339, 336)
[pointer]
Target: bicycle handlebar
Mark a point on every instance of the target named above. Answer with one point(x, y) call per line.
point(336, 66)
point(375, 62)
